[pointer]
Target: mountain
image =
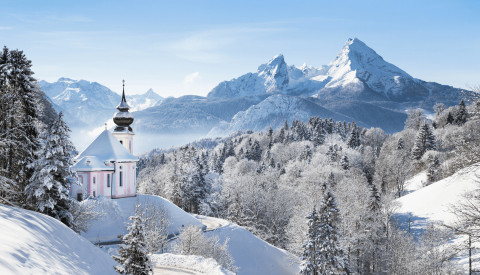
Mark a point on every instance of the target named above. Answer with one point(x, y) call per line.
point(86, 103)
point(358, 85)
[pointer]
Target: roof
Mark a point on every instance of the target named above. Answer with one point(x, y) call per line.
point(105, 148)
point(91, 163)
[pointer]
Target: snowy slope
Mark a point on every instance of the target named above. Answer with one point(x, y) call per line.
point(189, 264)
point(252, 255)
point(119, 210)
point(32, 243)
point(433, 202)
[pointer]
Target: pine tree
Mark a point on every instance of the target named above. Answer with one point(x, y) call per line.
point(311, 251)
point(47, 191)
point(461, 114)
point(18, 124)
point(450, 119)
point(424, 141)
point(354, 139)
point(332, 258)
point(132, 254)
point(345, 163)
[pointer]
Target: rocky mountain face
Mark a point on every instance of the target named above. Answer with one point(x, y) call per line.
point(358, 85)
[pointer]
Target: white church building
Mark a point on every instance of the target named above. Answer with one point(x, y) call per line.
point(107, 167)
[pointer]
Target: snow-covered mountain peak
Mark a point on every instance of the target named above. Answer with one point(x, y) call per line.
point(358, 67)
point(275, 73)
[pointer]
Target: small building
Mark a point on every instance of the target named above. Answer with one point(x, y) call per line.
point(107, 167)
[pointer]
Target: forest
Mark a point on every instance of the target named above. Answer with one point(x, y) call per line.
point(325, 190)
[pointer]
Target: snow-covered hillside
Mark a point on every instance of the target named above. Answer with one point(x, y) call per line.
point(252, 255)
point(33, 243)
point(434, 202)
point(117, 211)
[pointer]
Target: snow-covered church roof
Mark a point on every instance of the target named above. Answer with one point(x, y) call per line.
point(102, 151)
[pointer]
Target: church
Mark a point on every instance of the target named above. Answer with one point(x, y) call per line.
point(107, 167)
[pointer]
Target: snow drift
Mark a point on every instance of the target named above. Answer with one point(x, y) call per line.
point(33, 243)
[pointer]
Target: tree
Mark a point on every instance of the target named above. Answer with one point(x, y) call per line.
point(311, 252)
point(156, 221)
point(354, 139)
point(331, 255)
point(132, 254)
point(461, 114)
point(47, 191)
point(424, 141)
point(192, 241)
point(345, 163)
point(19, 122)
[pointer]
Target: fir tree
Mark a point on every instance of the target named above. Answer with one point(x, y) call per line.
point(311, 251)
point(354, 139)
point(424, 141)
point(331, 255)
point(461, 114)
point(345, 163)
point(133, 254)
point(450, 118)
point(18, 124)
point(47, 191)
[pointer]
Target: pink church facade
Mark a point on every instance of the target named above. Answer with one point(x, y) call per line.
point(107, 167)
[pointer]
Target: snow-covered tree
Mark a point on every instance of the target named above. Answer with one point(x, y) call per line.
point(462, 114)
point(19, 110)
point(192, 241)
point(311, 248)
point(133, 253)
point(354, 138)
point(424, 141)
point(155, 221)
point(47, 191)
point(332, 258)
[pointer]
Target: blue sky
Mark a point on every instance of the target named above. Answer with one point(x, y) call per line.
point(187, 47)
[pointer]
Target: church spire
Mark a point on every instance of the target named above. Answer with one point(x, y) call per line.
point(123, 119)
point(123, 106)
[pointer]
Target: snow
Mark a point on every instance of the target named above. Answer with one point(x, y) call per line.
point(118, 211)
point(415, 183)
point(33, 243)
point(253, 255)
point(434, 202)
point(182, 264)
point(107, 148)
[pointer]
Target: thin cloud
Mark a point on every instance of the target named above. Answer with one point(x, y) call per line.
point(191, 78)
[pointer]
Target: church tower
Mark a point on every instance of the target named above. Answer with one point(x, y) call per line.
point(123, 119)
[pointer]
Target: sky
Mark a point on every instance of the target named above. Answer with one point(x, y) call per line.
point(188, 47)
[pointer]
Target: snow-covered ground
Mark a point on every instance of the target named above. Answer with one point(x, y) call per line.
point(434, 202)
point(253, 255)
point(33, 243)
point(170, 264)
point(118, 211)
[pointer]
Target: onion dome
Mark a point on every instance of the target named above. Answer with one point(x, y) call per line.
point(123, 119)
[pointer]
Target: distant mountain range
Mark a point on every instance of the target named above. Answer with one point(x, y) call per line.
point(358, 85)
point(89, 104)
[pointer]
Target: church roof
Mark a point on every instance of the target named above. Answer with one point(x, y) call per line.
point(104, 149)
point(91, 163)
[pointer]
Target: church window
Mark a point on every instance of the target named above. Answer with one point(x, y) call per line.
point(108, 180)
point(121, 179)
point(94, 181)
point(121, 141)
point(94, 194)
